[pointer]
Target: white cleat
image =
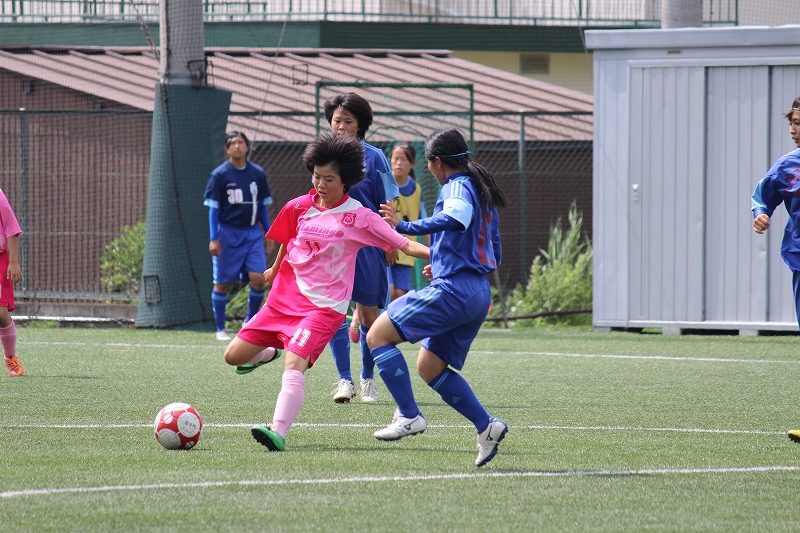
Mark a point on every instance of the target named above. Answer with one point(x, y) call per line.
point(369, 393)
point(489, 439)
point(402, 427)
point(344, 391)
point(223, 335)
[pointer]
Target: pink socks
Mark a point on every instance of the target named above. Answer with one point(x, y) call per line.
point(8, 338)
point(264, 355)
point(290, 400)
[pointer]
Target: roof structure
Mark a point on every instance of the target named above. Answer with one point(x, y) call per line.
point(275, 92)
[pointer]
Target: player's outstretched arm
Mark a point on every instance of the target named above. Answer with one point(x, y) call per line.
point(389, 214)
point(761, 223)
point(271, 272)
point(416, 249)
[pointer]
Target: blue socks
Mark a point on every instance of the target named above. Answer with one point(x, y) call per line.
point(340, 347)
point(218, 302)
point(456, 392)
point(367, 363)
point(254, 301)
point(393, 370)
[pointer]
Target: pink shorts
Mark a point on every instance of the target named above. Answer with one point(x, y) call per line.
point(6, 287)
point(306, 336)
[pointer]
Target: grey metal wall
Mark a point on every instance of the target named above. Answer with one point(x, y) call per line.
point(784, 88)
point(736, 157)
point(610, 192)
point(686, 123)
point(666, 194)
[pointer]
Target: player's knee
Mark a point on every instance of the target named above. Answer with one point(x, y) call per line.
point(373, 339)
point(231, 356)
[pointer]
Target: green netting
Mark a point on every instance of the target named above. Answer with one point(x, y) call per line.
point(188, 133)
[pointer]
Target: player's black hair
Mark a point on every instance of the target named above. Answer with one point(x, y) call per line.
point(795, 107)
point(229, 137)
point(343, 153)
point(451, 147)
point(353, 104)
point(232, 135)
point(411, 155)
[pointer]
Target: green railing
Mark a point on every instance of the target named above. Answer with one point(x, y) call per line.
point(618, 13)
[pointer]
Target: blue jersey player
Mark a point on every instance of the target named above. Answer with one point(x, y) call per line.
point(781, 185)
point(350, 114)
point(447, 314)
point(237, 195)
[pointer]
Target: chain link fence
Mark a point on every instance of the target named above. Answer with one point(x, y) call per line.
point(77, 178)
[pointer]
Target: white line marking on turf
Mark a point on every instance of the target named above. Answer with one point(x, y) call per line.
point(446, 426)
point(645, 357)
point(484, 352)
point(123, 345)
point(376, 479)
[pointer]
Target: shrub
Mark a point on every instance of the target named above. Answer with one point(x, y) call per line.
point(122, 260)
point(560, 278)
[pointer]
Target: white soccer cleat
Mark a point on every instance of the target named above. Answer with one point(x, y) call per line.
point(344, 391)
point(369, 393)
point(223, 335)
point(488, 440)
point(402, 427)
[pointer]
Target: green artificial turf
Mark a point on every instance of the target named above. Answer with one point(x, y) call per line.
point(608, 432)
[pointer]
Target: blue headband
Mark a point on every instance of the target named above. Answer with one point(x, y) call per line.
point(454, 155)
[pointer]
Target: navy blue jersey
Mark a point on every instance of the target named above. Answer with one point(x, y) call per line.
point(781, 185)
point(238, 193)
point(376, 187)
point(464, 237)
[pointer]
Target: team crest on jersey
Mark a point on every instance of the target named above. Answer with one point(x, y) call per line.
point(349, 219)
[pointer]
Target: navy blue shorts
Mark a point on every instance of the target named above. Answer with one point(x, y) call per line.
point(400, 276)
point(242, 252)
point(371, 282)
point(446, 315)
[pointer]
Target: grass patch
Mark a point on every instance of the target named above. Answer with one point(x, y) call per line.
point(608, 432)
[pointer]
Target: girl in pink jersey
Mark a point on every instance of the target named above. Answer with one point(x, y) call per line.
point(312, 278)
point(10, 273)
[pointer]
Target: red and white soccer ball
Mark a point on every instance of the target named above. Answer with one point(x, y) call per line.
point(178, 426)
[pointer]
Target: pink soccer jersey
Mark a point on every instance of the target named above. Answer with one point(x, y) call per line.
point(322, 245)
point(9, 226)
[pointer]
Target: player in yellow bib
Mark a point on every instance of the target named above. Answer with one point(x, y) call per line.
point(410, 207)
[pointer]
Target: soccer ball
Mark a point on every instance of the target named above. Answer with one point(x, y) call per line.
point(178, 426)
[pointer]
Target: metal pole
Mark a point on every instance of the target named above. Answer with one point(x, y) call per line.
point(317, 111)
point(472, 114)
point(182, 56)
point(24, 177)
point(503, 311)
point(522, 192)
point(681, 14)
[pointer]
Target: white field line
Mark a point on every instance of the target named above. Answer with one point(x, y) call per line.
point(446, 426)
point(395, 479)
point(645, 357)
point(117, 345)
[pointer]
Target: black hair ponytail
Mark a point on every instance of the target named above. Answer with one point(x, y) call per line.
point(450, 146)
